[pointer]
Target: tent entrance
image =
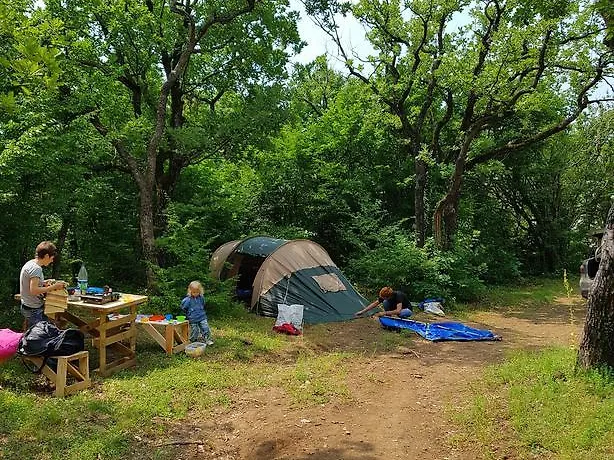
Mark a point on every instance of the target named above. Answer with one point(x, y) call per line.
point(246, 273)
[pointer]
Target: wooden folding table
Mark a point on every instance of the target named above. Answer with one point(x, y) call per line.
point(112, 326)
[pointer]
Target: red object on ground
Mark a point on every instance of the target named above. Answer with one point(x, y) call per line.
point(287, 328)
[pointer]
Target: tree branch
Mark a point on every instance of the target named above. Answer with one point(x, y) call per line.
point(518, 144)
point(334, 35)
point(119, 148)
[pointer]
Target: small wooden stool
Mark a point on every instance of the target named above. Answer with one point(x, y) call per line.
point(81, 373)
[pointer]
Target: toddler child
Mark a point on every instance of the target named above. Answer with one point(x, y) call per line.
point(193, 305)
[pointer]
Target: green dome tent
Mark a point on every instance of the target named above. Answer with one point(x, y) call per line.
point(273, 271)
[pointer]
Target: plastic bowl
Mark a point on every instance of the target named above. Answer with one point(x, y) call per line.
point(195, 349)
point(180, 318)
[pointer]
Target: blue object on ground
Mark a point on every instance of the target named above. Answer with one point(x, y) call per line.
point(439, 331)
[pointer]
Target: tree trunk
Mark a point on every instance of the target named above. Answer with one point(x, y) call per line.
point(445, 219)
point(146, 221)
point(597, 345)
point(419, 190)
point(60, 243)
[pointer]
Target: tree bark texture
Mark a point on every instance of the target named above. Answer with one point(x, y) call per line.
point(445, 218)
point(60, 243)
point(146, 219)
point(419, 191)
point(597, 345)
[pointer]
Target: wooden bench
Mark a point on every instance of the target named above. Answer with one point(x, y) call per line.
point(77, 365)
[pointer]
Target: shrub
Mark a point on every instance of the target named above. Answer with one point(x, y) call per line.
point(420, 272)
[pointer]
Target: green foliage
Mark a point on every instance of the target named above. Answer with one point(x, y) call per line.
point(587, 178)
point(213, 206)
point(333, 179)
point(606, 10)
point(528, 294)
point(112, 419)
point(537, 404)
point(420, 272)
point(29, 53)
point(314, 87)
point(319, 156)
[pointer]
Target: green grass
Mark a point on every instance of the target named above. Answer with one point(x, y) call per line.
point(532, 406)
point(535, 292)
point(105, 421)
point(537, 406)
point(319, 379)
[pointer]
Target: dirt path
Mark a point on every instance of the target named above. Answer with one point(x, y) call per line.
point(398, 398)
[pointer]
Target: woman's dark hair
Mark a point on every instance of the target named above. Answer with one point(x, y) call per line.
point(45, 248)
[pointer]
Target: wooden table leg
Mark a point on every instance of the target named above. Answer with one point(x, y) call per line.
point(111, 335)
point(61, 375)
point(174, 339)
point(133, 328)
point(169, 332)
point(102, 344)
point(153, 332)
point(182, 335)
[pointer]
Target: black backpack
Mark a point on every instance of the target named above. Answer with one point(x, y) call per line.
point(44, 339)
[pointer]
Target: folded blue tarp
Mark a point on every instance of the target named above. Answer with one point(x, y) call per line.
point(439, 331)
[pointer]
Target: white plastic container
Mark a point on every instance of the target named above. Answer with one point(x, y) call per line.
point(195, 349)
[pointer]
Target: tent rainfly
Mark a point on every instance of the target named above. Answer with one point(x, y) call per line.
point(272, 271)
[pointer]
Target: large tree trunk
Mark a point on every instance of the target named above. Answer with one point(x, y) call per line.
point(419, 191)
point(597, 346)
point(445, 218)
point(146, 221)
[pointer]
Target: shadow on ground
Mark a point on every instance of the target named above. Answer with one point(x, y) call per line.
point(277, 449)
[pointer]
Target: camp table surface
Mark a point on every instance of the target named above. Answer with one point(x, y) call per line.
point(176, 333)
point(109, 328)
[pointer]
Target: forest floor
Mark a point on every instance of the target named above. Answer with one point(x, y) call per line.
point(400, 400)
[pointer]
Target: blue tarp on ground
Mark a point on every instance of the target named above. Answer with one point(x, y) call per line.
point(439, 331)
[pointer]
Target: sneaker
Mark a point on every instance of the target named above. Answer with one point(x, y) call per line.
point(209, 342)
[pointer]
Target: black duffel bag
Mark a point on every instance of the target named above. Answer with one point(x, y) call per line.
point(44, 339)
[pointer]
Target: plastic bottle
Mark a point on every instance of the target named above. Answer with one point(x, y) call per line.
point(82, 280)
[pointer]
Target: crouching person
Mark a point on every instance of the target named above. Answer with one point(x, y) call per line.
point(395, 303)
